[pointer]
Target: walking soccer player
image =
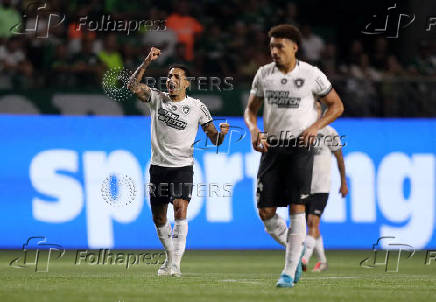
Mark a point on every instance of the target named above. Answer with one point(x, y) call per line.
point(174, 124)
point(288, 89)
point(329, 142)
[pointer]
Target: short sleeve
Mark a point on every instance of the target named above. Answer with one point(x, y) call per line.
point(256, 86)
point(155, 97)
point(205, 116)
point(321, 85)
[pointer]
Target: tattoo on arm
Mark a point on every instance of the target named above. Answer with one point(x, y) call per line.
point(135, 85)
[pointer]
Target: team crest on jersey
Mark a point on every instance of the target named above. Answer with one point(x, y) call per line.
point(186, 109)
point(299, 83)
point(284, 81)
point(173, 107)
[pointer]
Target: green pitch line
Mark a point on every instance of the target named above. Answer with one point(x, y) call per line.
point(217, 276)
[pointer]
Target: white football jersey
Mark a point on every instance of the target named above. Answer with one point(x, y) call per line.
point(174, 126)
point(328, 141)
point(289, 99)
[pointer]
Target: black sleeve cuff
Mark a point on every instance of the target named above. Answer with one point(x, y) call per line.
point(204, 124)
point(325, 93)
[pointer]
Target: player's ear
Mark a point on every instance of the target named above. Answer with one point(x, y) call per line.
point(187, 82)
point(295, 46)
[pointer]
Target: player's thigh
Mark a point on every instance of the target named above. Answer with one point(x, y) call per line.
point(180, 184)
point(159, 185)
point(299, 172)
point(270, 183)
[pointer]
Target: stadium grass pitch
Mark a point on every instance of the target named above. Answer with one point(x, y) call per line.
point(218, 276)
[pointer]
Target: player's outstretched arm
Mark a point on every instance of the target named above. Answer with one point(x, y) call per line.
point(341, 166)
point(141, 90)
point(216, 137)
point(250, 119)
point(335, 108)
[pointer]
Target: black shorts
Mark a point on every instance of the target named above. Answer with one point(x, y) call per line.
point(284, 176)
point(169, 183)
point(316, 203)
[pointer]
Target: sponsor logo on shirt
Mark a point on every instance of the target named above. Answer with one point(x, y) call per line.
point(282, 99)
point(171, 119)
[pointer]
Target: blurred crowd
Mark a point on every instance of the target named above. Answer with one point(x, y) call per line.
point(43, 47)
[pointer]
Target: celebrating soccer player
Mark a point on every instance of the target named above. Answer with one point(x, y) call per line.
point(328, 142)
point(174, 124)
point(288, 89)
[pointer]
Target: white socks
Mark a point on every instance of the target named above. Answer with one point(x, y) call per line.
point(164, 234)
point(179, 240)
point(310, 244)
point(276, 227)
point(319, 247)
point(294, 245)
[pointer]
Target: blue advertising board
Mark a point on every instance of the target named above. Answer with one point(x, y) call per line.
point(82, 183)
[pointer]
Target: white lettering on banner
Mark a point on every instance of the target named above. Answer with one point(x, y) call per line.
point(66, 189)
point(65, 196)
point(100, 215)
point(418, 210)
point(361, 172)
point(221, 169)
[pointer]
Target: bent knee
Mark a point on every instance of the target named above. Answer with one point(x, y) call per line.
point(159, 220)
point(313, 221)
point(267, 213)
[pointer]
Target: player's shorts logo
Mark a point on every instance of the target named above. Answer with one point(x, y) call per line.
point(299, 83)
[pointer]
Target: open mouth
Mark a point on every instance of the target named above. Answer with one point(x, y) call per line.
point(171, 86)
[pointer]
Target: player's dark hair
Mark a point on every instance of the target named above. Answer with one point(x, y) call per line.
point(183, 67)
point(286, 31)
